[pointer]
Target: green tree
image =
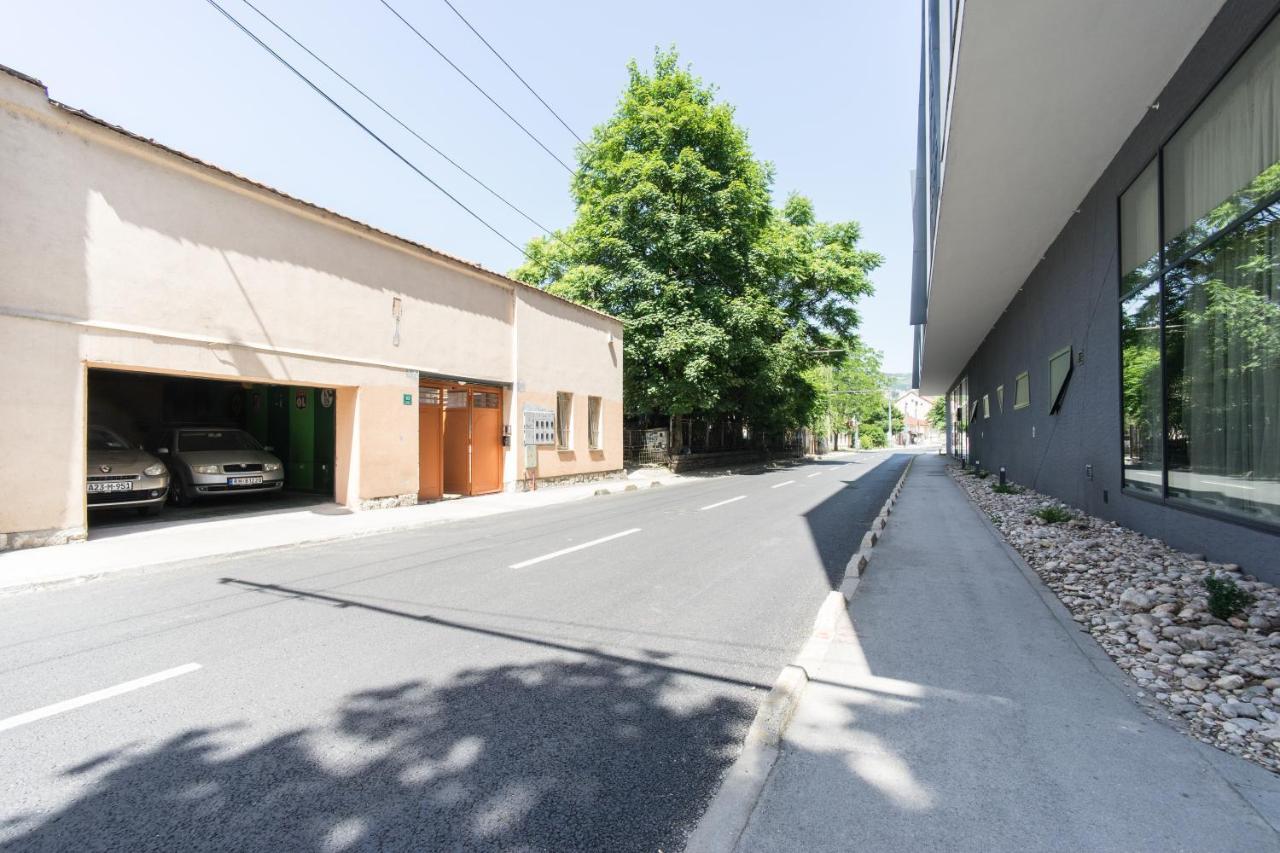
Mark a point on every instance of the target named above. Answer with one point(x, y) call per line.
point(725, 298)
point(854, 389)
point(937, 416)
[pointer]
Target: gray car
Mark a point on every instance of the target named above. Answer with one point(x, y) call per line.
point(217, 461)
point(123, 476)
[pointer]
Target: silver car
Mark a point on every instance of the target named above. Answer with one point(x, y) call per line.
point(120, 475)
point(218, 461)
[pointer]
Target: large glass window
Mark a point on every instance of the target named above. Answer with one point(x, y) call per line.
point(1142, 415)
point(1222, 351)
point(1200, 302)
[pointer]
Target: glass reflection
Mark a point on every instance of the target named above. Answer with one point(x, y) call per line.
point(1140, 351)
point(1222, 339)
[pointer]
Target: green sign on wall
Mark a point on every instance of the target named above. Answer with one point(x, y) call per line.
point(408, 399)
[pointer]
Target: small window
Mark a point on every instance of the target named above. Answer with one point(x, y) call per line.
point(986, 406)
point(564, 420)
point(485, 399)
point(455, 399)
point(1021, 391)
point(1000, 398)
point(1059, 376)
point(428, 396)
point(973, 410)
point(593, 423)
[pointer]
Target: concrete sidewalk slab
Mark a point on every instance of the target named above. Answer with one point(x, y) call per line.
point(958, 709)
point(148, 544)
point(151, 544)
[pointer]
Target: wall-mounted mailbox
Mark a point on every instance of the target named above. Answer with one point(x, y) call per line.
point(539, 425)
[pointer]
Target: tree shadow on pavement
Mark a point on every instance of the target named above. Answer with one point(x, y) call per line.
point(556, 755)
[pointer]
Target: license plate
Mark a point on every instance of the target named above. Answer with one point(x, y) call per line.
point(115, 486)
point(244, 481)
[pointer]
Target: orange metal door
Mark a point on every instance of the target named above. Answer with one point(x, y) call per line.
point(430, 443)
point(457, 442)
point(486, 441)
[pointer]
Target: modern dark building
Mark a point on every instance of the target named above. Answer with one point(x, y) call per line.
point(1097, 270)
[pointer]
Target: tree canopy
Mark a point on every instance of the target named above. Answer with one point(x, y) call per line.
point(726, 299)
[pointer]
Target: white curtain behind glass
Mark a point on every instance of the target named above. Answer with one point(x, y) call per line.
point(1230, 139)
point(1140, 221)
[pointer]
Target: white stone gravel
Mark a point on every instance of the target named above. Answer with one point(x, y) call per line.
point(1146, 604)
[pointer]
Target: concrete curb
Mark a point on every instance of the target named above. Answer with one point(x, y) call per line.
point(730, 810)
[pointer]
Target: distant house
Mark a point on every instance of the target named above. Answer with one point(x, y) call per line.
point(914, 428)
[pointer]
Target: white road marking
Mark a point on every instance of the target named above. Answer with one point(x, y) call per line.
point(816, 474)
point(721, 503)
point(563, 551)
point(95, 696)
point(780, 485)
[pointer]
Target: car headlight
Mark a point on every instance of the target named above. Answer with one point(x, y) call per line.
point(271, 466)
point(205, 469)
point(153, 470)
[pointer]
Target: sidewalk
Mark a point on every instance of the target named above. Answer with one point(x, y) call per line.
point(963, 709)
point(150, 543)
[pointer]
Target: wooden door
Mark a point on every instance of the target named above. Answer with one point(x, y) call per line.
point(486, 441)
point(457, 442)
point(430, 443)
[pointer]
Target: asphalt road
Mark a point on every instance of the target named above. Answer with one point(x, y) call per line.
point(575, 677)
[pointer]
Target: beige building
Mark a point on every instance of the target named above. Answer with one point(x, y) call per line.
point(141, 286)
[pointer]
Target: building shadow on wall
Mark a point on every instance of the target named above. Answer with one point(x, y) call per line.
point(555, 755)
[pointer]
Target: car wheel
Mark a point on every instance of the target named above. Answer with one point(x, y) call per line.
point(179, 493)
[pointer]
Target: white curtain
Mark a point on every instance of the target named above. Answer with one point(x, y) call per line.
point(1231, 139)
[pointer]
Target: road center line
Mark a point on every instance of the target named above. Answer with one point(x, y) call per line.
point(721, 503)
point(563, 551)
point(783, 483)
point(95, 696)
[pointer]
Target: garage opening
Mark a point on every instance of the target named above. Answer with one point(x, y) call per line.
point(225, 446)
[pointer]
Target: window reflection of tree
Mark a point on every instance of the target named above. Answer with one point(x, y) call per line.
point(1222, 339)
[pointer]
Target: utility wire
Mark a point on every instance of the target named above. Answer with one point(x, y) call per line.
point(396, 119)
point(477, 86)
point(503, 60)
point(362, 125)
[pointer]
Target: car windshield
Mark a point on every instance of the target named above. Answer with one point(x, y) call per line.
point(101, 438)
point(190, 440)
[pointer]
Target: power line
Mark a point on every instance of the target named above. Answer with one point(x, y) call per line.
point(477, 86)
point(396, 119)
point(362, 125)
point(501, 59)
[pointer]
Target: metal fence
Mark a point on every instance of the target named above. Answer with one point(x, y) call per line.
point(646, 446)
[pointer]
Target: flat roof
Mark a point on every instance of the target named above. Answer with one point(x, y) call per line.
point(434, 253)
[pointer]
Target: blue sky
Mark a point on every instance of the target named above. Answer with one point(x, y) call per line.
point(825, 89)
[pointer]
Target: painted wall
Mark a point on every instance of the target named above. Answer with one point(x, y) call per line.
point(1072, 298)
point(118, 254)
point(585, 360)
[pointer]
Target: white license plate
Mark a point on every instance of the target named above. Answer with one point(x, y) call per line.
point(244, 481)
point(112, 486)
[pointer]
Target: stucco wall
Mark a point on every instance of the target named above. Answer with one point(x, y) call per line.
point(115, 253)
point(1072, 298)
point(585, 360)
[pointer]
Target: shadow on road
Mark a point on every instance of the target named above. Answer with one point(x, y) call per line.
point(514, 757)
point(837, 524)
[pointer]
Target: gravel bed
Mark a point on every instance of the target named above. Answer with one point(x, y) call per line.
point(1147, 605)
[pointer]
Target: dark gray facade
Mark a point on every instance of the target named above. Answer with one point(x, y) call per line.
point(1071, 299)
